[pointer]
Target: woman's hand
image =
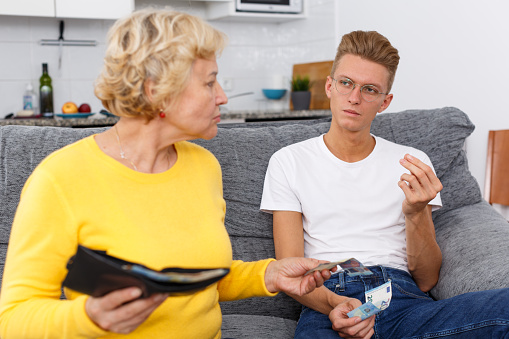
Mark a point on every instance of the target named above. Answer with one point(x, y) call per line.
point(120, 312)
point(287, 275)
point(351, 327)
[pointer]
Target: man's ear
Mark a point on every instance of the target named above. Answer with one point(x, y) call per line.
point(328, 86)
point(387, 101)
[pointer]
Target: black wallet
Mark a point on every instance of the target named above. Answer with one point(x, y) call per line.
point(96, 273)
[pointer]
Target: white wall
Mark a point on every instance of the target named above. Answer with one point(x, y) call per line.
point(255, 54)
point(22, 56)
point(453, 53)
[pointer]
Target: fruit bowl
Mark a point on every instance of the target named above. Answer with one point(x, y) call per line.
point(273, 94)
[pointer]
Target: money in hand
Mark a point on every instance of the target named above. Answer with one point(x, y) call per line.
point(327, 266)
point(364, 311)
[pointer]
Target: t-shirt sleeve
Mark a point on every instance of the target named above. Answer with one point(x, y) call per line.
point(278, 193)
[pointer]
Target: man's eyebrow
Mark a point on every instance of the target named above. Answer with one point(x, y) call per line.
point(347, 77)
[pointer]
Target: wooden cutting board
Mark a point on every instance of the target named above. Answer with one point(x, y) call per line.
point(317, 72)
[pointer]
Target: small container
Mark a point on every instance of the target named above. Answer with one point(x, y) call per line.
point(30, 100)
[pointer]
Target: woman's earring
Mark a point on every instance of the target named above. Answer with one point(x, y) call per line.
point(162, 114)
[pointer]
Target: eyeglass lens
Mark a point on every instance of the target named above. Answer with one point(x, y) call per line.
point(368, 92)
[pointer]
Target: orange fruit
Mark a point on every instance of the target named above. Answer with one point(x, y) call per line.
point(69, 107)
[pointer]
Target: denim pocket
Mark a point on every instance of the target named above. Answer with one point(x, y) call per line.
point(409, 288)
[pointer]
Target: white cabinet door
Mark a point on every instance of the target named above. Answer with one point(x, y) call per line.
point(93, 9)
point(28, 7)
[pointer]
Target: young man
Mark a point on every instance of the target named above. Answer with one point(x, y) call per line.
point(350, 194)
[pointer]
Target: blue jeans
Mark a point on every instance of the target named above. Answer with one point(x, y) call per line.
point(413, 313)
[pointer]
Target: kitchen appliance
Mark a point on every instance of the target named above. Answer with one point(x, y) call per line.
point(270, 6)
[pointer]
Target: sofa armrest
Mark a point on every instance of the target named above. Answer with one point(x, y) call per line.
point(474, 240)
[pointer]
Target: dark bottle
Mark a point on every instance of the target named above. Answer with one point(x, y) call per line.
point(46, 93)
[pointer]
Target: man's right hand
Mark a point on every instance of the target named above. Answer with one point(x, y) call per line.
point(351, 327)
point(121, 311)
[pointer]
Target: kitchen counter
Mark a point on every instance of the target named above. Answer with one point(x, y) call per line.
point(252, 116)
point(226, 117)
point(60, 122)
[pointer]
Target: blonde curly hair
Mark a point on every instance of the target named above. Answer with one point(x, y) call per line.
point(153, 45)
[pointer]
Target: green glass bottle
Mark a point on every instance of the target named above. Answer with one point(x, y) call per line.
point(46, 93)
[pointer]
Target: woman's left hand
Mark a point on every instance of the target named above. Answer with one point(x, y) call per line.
point(287, 275)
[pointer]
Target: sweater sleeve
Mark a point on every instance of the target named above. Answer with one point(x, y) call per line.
point(245, 280)
point(43, 238)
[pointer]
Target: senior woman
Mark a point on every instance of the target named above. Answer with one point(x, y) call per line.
point(141, 192)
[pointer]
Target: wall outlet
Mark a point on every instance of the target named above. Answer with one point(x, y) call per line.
point(227, 84)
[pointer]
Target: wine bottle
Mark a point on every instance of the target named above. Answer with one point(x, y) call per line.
point(46, 93)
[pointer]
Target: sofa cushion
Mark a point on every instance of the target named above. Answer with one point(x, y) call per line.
point(256, 327)
point(473, 240)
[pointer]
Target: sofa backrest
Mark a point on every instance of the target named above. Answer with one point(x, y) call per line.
point(244, 151)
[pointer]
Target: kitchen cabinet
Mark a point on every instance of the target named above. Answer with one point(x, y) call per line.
point(85, 9)
point(28, 7)
point(93, 9)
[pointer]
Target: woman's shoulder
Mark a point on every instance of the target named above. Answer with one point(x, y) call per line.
point(68, 154)
point(194, 151)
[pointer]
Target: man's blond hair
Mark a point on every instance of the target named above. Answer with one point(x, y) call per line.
point(372, 46)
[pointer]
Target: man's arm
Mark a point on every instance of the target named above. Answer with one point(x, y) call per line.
point(424, 256)
point(289, 242)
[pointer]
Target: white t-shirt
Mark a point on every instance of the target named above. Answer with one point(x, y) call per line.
point(348, 209)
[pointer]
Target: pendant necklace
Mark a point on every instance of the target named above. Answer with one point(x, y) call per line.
point(122, 153)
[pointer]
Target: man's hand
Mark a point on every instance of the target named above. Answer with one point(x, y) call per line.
point(351, 327)
point(120, 312)
point(420, 186)
point(287, 275)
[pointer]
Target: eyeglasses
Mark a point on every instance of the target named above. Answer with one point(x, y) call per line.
point(368, 92)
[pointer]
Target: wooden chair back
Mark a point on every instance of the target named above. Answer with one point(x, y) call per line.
point(496, 187)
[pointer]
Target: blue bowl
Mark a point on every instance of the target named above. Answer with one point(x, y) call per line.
point(274, 94)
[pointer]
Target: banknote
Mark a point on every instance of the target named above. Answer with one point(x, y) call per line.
point(364, 311)
point(326, 266)
point(176, 277)
point(351, 266)
point(380, 296)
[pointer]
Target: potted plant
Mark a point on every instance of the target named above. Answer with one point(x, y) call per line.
point(301, 95)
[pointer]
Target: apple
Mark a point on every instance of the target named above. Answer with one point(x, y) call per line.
point(69, 108)
point(84, 108)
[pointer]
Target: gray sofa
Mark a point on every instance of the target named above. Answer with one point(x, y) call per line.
point(473, 237)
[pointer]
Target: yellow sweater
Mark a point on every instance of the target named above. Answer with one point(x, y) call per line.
point(79, 195)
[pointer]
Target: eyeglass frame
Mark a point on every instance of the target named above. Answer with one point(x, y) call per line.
point(361, 87)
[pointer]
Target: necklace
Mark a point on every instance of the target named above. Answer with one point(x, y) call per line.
point(122, 153)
